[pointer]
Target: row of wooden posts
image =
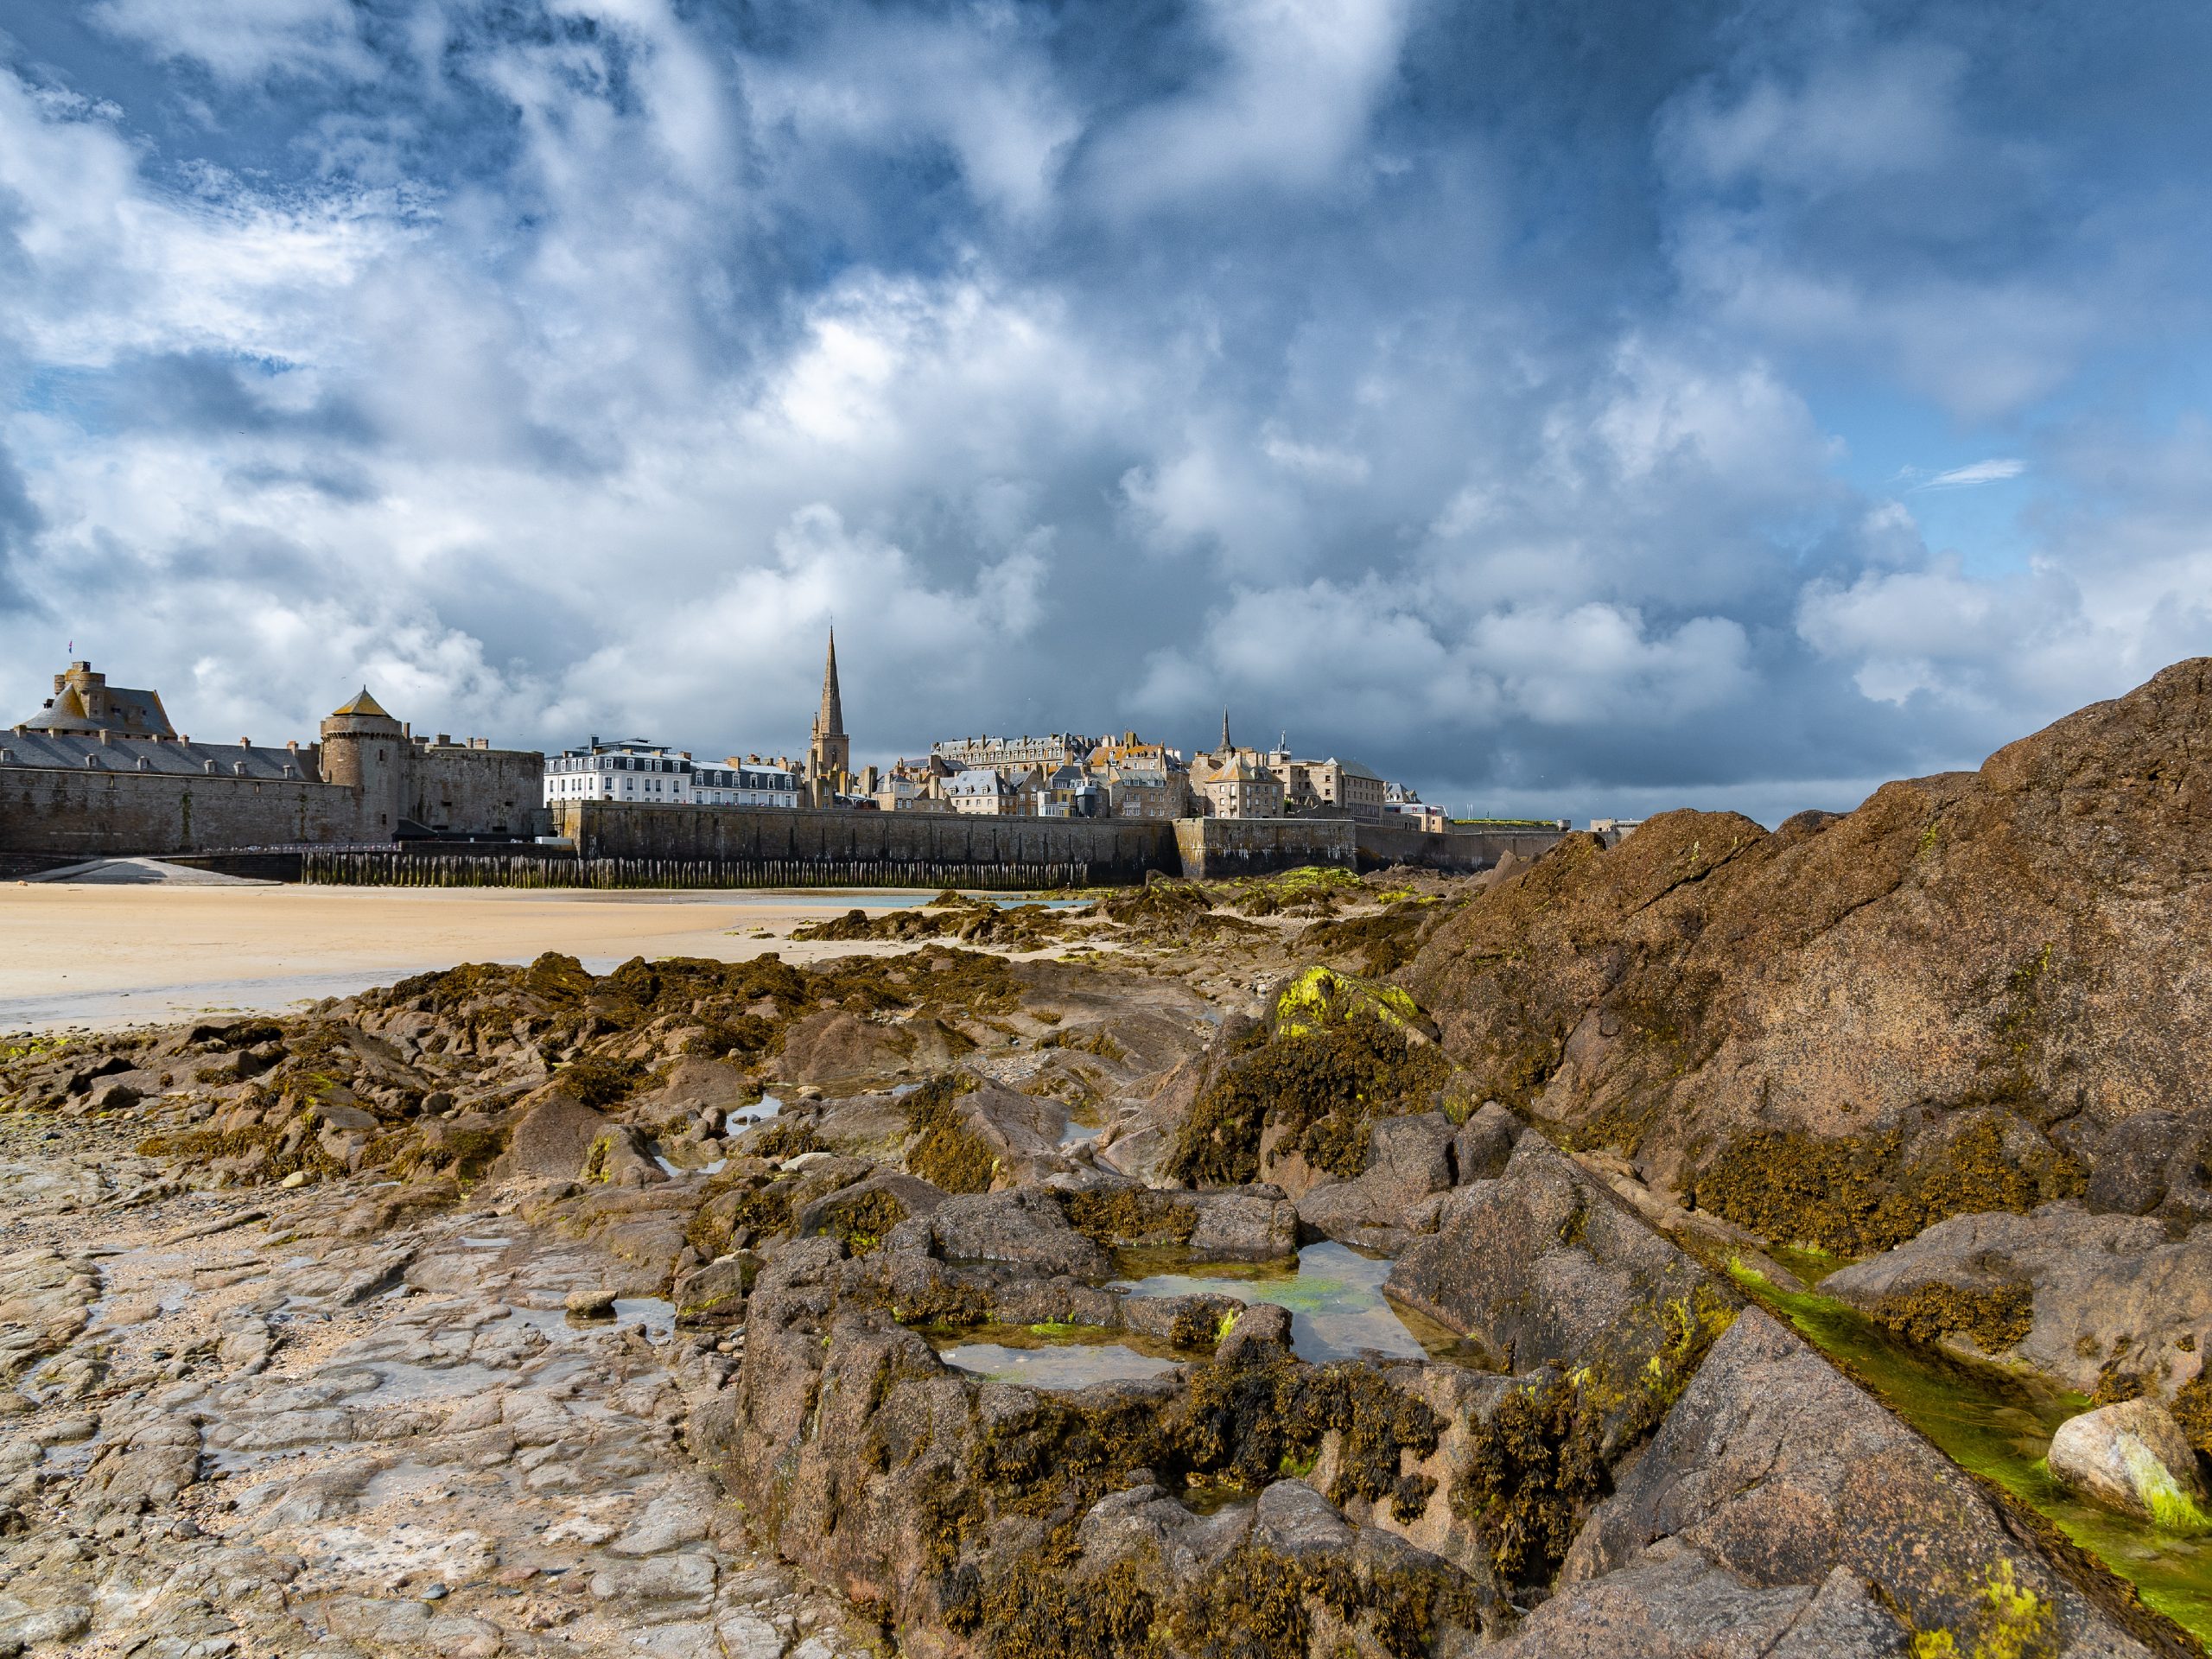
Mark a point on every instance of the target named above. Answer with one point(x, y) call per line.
point(350, 868)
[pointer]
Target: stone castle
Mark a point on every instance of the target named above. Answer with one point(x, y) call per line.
point(100, 771)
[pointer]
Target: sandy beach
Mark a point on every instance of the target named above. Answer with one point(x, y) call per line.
point(110, 956)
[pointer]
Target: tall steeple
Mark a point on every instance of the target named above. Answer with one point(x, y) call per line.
point(832, 722)
point(1225, 744)
point(830, 757)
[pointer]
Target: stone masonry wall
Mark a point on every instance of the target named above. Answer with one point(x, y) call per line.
point(105, 814)
point(1211, 848)
point(1382, 844)
point(495, 791)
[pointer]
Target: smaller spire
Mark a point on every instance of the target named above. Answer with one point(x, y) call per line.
point(1224, 730)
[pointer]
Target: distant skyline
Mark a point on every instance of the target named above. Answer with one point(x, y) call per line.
point(1583, 408)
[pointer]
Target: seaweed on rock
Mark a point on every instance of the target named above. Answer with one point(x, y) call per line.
point(1339, 1052)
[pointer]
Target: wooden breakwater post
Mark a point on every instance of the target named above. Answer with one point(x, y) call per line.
point(445, 868)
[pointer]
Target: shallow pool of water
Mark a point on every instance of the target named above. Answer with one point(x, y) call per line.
point(1055, 1365)
point(1338, 1310)
point(2000, 1427)
point(758, 1112)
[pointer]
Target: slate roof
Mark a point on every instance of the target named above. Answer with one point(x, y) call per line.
point(56, 751)
point(137, 713)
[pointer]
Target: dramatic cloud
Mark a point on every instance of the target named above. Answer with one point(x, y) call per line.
point(1564, 410)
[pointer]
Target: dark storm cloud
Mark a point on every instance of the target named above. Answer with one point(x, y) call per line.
point(1545, 404)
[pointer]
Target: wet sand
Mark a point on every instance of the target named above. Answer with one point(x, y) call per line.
point(110, 956)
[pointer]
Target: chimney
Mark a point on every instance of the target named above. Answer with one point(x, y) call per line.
point(245, 743)
point(106, 737)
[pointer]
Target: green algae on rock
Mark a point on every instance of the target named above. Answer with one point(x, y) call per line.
point(1998, 1424)
point(1336, 1052)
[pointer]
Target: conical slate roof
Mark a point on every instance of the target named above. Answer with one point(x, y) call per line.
point(362, 704)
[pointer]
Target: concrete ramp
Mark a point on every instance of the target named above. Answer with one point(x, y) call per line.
point(142, 873)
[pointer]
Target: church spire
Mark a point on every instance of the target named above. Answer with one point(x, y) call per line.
point(831, 722)
point(830, 756)
point(1224, 731)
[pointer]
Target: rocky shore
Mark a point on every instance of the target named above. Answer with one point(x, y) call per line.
point(990, 1292)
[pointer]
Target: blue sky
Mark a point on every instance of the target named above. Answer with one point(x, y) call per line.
point(1577, 408)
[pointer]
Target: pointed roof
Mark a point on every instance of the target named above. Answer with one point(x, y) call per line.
point(362, 704)
point(832, 719)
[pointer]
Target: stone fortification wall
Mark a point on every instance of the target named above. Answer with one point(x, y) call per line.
point(1211, 848)
point(774, 847)
point(117, 814)
point(1384, 844)
point(490, 791)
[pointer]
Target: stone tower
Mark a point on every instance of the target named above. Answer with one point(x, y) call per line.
point(367, 750)
point(830, 754)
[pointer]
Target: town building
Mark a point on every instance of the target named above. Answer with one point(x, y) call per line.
point(983, 792)
point(635, 770)
point(1069, 792)
point(1330, 788)
point(100, 771)
point(1140, 779)
point(1051, 752)
point(1234, 783)
point(914, 786)
point(1404, 807)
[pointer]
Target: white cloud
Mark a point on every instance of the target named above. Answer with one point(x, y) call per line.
point(1997, 470)
point(1291, 101)
point(971, 81)
point(242, 40)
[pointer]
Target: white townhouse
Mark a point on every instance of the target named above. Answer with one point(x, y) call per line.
point(635, 770)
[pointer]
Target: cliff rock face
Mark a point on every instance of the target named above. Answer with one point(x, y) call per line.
point(1965, 995)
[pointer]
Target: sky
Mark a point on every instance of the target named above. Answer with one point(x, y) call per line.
point(1565, 408)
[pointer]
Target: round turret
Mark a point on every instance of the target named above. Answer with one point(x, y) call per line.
point(365, 749)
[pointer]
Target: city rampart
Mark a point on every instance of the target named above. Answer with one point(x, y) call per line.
point(1210, 849)
point(1456, 850)
point(98, 814)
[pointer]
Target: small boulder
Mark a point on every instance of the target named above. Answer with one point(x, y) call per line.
point(2133, 1458)
point(114, 1097)
point(1024, 1225)
point(1392, 1200)
point(1251, 1224)
point(864, 1212)
point(620, 1156)
point(715, 1294)
point(551, 1140)
point(1483, 1143)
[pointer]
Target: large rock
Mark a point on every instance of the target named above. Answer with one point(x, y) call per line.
point(1252, 1224)
point(840, 1052)
point(1025, 1226)
point(2133, 1456)
point(943, 1499)
point(1544, 1266)
point(550, 1138)
point(1951, 999)
point(1022, 1131)
point(1408, 1163)
point(2085, 1299)
point(865, 1214)
point(1672, 1603)
point(1774, 1468)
